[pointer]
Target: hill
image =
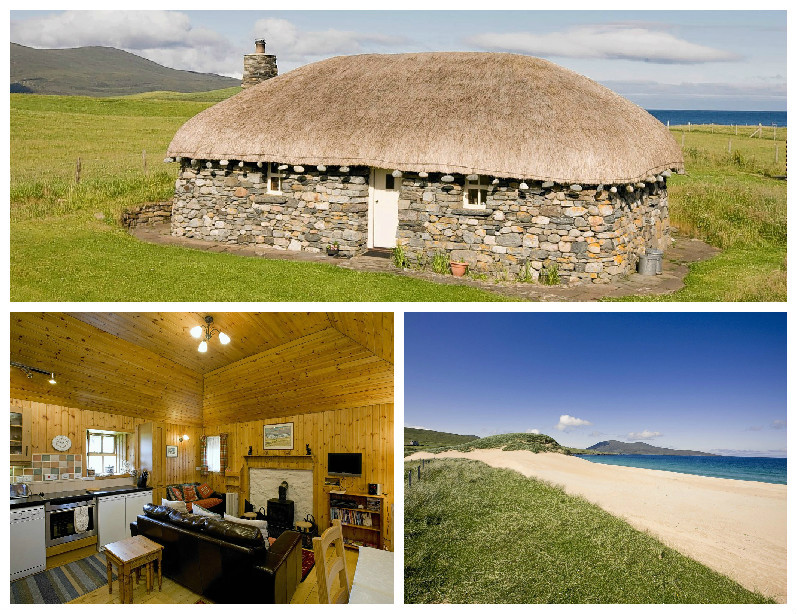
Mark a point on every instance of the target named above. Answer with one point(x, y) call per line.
point(425, 437)
point(507, 442)
point(101, 71)
point(618, 447)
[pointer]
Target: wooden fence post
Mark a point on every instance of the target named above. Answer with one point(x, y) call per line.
point(776, 154)
point(419, 473)
point(144, 159)
point(77, 170)
point(409, 476)
point(729, 146)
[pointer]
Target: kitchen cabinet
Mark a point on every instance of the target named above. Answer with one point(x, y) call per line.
point(116, 512)
point(20, 442)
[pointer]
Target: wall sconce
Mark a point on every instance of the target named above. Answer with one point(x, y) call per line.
point(186, 437)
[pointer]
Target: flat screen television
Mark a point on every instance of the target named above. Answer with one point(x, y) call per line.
point(345, 463)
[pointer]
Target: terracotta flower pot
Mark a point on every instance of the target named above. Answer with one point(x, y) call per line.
point(458, 269)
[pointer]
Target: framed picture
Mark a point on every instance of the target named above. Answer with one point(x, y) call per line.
point(278, 436)
point(171, 451)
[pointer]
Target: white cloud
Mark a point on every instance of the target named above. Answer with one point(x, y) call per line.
point(568, 422)
point(615, 41)
point(533, 431)
point(165, 37)
point(296, 47)
point(646, 434)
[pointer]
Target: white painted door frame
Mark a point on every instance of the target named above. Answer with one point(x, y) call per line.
point(377, 193)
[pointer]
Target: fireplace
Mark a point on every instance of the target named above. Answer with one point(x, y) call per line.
point(264, 485)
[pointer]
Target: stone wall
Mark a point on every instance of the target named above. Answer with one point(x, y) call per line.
point(147, 214)
point(590, 234)
point(231, 204)
point(257, 68)
point(264, 485)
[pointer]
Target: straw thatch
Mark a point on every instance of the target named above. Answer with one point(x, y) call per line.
point(495, 114)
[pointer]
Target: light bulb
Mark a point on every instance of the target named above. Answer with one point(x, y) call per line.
point(203, 347)
point(52, 378)
point(196, 332)
point(224, 338)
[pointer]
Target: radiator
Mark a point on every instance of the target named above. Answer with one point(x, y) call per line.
point(232, 503)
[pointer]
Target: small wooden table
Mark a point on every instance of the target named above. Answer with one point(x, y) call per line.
point(130, 555)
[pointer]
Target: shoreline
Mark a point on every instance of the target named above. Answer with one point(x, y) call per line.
point(735, 527)
point(700, 475)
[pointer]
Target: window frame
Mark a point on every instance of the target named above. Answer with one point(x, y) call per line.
point(272, 171)
point(115, 453)
point(217, 467)
point(480, 185)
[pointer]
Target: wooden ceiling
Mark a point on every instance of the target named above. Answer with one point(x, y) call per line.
point(147, 364)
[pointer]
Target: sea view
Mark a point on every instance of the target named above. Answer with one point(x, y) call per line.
point(756, 469)
point(722, 118)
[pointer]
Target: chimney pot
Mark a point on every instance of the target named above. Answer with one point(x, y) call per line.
point(260, 46)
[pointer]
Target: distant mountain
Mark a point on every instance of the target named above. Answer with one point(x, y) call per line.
point(434, 438)
point(101, 71)
point(618, 447)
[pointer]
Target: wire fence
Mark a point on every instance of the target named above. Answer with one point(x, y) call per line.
point(417, 472)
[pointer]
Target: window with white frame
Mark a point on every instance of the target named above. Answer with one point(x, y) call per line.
point(106, 451)
point(475, 193)
point(214, 453)
point(274, 179)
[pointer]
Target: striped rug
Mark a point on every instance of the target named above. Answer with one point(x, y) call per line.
point(64, 583)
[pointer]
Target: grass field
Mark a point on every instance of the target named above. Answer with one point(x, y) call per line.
point(121, 142)
point(475, 534)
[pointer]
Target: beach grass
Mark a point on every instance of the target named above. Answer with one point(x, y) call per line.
point(476, 534)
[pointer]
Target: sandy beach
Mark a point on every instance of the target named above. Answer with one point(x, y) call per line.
point(735, 527)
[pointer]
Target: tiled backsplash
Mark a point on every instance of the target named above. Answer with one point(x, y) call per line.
point(64, 466)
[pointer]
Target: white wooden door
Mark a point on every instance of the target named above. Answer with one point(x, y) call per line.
point(384, 208)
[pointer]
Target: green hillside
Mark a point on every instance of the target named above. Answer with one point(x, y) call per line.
point(101, 71)
point(426, 437)
point(639, 447)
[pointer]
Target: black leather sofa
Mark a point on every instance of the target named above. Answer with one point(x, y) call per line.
point(223, 561)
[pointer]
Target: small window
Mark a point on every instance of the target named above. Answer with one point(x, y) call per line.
point(274, 179)
point(106, 452)
point(213, 453)
point(390, 182)
point(475, 193)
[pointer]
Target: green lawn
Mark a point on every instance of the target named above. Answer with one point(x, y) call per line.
point(121, 143)
point(77, 258)
point(475, 534)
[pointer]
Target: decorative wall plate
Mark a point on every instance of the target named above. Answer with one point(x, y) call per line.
point(62, 443)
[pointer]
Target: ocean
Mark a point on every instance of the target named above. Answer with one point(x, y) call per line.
point(721, 118)
point(756, 469)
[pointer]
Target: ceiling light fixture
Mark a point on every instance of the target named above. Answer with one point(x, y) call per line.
point(205, 332)
point(29, 371)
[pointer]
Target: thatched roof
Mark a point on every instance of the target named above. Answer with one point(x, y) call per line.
point(495, 114)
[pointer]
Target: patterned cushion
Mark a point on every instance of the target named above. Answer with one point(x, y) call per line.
point(174, 493)
point(206, 503)
point(204, 491)
point(189, 493)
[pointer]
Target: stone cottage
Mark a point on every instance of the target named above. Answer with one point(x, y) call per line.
point(508, 162)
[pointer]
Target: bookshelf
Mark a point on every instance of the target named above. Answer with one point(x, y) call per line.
point(361, 517)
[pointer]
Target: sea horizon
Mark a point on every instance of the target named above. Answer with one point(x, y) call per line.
point(771, 470)
point(682, 117)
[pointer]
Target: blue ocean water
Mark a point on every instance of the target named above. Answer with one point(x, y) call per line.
point(756, 469)
point(721, 118)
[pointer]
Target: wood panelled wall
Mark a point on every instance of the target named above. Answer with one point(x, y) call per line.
point(48, 420)
point(366, 429)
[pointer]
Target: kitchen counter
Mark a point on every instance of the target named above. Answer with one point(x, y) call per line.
point(73, 495)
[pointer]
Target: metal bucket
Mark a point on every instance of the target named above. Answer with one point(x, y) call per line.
point(656, 255)
point(647, 265)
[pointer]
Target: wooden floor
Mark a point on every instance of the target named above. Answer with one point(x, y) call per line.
point(307, 592)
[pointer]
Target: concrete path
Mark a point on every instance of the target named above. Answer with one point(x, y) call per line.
point(674, 268)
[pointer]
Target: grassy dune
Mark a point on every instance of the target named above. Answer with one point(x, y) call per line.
point(726, 200)
point(475, 534)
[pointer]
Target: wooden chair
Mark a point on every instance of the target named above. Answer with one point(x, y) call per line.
point(329, 564)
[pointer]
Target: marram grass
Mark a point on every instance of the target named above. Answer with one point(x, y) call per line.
point(475, 534)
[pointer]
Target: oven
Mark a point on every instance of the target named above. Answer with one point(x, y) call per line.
point(59, 521)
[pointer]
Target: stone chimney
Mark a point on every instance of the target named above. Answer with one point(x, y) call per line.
point(258, 66)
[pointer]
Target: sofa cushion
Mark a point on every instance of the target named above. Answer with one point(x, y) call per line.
point(206, 503)
point(204, 491)
point(190, 522)
point(189, 493)
point(161, 512)
point(201, 511)
point(180, 506)
point(242, 535)
point(261, 525)
point(174, 492)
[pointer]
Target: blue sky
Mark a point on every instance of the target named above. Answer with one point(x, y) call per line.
point(713, 382)
point(731, 60)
